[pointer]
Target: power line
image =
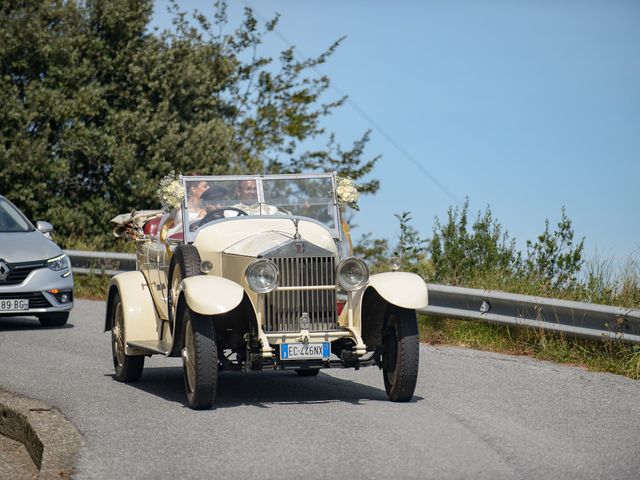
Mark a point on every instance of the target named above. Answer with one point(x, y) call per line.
point(367, 118)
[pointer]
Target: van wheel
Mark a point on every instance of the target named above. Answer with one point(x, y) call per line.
point(58, 319)
point(128, 367)
point(401, 352)
point(199, 360)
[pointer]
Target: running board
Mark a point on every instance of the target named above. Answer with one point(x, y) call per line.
point(153, 346)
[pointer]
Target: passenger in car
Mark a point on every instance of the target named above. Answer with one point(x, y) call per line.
point(194, 199)
point(213, 200)
point(247, 195)
point(247, 192)
point(196, 211)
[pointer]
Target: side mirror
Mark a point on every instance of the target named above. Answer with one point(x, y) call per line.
point(44, 227)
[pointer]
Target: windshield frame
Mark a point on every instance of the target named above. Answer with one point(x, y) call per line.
point(336, 231)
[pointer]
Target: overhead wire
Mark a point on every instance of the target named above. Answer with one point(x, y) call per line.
point(377, 127)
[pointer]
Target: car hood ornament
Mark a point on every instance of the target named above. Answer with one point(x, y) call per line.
point(296, 235)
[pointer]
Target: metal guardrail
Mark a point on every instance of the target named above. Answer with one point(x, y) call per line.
point(589, 320)
point(101, 263)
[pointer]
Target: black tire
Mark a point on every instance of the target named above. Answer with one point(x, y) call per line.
point(185, 262)
point(128, 367)
point(57, 319)
point(199, 360)
point(401, 354)
point(308, 372)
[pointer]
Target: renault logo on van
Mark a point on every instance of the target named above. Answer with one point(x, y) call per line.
point(4, 270)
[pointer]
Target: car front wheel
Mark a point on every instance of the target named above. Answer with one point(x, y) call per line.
point(128, 367)
point(400, 354)
point(199, 360)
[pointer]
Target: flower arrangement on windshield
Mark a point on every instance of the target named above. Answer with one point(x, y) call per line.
point(347, 193)
point(170, 192)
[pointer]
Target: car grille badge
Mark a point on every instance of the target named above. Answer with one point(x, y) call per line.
point(305, 321)
point(4, 270)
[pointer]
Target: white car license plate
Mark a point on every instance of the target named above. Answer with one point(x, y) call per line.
point(14, 305)
point(305, 351)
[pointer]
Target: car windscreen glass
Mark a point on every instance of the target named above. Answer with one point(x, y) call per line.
point(11, 220)
point(213, 198)
point(308, 197)
point(209, 198)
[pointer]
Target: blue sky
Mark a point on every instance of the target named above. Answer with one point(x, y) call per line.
point(526, 106)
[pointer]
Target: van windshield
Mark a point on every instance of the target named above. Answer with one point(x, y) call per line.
point(11, 219)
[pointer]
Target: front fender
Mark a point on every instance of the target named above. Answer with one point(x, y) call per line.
point(141, 319)
point(210, 294)
point(403, 289)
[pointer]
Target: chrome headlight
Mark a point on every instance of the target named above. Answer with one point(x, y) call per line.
point(353, 274)
point(262, 276)
point(58, 263)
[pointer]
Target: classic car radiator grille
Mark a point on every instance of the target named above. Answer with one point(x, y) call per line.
point(283, 309)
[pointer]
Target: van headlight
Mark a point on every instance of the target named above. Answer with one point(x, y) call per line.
point(61, 262)
point(262, 276)
point(353, 274)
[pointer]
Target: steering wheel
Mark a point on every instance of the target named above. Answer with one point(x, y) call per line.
point(219, 213)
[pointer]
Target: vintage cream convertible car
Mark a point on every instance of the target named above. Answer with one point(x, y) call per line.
point(255, 274)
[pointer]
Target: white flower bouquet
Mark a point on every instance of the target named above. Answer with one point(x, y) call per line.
point(347, 193)
point(170, 192)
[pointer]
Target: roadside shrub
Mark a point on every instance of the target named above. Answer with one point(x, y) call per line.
point(459, 254)
point(482, 255)
point(554, 257)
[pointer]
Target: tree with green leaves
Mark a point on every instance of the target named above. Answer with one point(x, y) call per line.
point(96, 108)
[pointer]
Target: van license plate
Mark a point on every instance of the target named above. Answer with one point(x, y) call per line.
point(14, 305)
point(305, 351)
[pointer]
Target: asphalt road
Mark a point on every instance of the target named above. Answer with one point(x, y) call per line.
point(475, 415)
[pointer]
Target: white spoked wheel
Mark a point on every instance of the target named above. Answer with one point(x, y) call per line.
point(128, 368)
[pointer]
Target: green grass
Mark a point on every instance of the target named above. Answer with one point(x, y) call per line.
point(91, 287)
point(599, 285)
point(609, 356)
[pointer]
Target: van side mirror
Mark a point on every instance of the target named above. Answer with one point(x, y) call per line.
point(44, 227)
